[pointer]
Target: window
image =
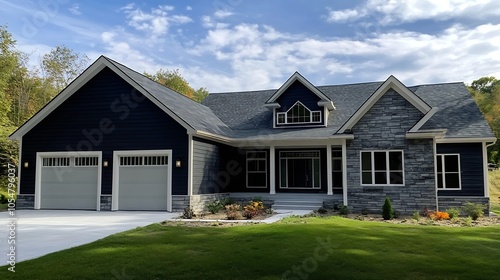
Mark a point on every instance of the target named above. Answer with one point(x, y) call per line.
point(382, 168)
point(55, 161)
point(256, 169)
point(143, 160)
point(86, 161)
point(448, 171)
point(300, 169)
point(337, 167)
point(298, 114)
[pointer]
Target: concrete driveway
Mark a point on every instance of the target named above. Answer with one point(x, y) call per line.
point(40, 232)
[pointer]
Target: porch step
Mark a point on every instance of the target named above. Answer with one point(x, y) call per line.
point(289, 204)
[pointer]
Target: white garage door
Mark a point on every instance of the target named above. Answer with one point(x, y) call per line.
point(142, 183)
point(69, 183)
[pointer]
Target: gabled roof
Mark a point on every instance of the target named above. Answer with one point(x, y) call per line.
point(390, 83)
point(325, 100)
point(190, 114)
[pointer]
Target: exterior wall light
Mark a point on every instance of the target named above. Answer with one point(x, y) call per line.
point(178, 163)
point(105, 163)
point(26, 164)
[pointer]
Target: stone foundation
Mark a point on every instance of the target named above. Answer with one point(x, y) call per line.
point(332, 203)
point(199, 202)
point(106, 202)
point(447, 202)
point(25, 201)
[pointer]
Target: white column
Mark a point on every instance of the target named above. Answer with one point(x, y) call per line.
point(329, 178)
point(272, 171)
point(485, 171)
point(190, 164)
point(435, 172)
point(344, 171)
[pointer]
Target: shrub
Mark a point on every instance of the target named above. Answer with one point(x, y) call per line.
point(416, 215)
point(426, 213)
point(233, 211)
point(396, 214)
point(253, 208)
point(343, 210)
point(257, 198)
point(439, 216)
point(322, 210)
point(387, 212)
point(474, 210)
point(453, 212)
point(227, 201)
point(365, 211)
point(188, 213)
point(215, 206)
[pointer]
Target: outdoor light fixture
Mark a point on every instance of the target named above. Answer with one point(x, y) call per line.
point(26, 164)
point(178, 162)
point(105, 163)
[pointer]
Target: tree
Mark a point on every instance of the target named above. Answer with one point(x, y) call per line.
point(62, 65)
point(485, 84)
point(174, 81)
point(387, 212)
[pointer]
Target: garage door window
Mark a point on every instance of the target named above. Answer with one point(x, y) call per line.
point(144, 161)
point(86, 161)
point(56, 161)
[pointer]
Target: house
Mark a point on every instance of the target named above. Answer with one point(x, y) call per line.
point(116, 140)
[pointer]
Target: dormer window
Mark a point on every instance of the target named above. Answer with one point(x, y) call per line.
point(298, 114)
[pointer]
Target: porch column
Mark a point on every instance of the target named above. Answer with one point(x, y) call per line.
point(272, 171)
point(344, 171)
point(329, 179)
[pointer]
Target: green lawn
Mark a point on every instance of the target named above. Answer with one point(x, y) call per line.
point(288, 250)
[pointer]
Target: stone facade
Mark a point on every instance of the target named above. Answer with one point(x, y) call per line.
point(447, 202)
point(332, 203)
point(25, 201)
point(384, 127)
point(199, 202)
point(106, 202)
point(179, 202)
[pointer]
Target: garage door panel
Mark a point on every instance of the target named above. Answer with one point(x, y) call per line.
point(69, 188)
point(143, 188)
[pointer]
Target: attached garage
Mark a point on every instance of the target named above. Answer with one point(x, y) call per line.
point(67, 180)
point(142, 180)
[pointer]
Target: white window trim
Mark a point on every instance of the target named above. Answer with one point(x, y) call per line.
point(387, 165)
point(310, 116)
point(443, 178)
point(337, 148)
point(294, 188)
point(256, 172)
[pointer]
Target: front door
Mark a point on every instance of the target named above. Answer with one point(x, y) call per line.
point(300, 170)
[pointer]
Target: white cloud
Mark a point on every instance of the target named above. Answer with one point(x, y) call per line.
point(156, 22)
point(75, 10)
point(189, 8)
point(223, 14)
point(391, 12)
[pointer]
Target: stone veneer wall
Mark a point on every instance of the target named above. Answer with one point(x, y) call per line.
point(199, 202)
point(447, 202)
point(25, 201)
point(106, 202)
point(384, 127)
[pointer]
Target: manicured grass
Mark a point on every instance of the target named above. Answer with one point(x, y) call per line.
point(494, 184)
point(289, 250)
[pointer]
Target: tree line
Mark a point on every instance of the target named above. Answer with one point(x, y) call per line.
point(486, 93)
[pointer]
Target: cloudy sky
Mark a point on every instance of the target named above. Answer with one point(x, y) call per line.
point(227, 45)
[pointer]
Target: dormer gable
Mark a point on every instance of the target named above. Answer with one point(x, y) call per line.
point(298, 103)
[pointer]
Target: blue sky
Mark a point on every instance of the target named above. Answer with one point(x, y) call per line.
point(229, 45)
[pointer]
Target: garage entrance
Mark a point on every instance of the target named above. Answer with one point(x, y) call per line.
point(141, 180)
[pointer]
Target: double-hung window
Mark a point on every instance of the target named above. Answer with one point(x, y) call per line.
point(448, 171)
point(382, 168)
point(256, 169)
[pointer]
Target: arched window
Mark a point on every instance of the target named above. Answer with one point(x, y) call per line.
point(298, 114)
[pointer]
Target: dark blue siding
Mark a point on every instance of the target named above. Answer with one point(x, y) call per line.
point(298, 92)
point(137, 124)
point(217, 168)
point(471, 163)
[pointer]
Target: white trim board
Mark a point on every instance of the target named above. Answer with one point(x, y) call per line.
point(38, 172)
point(79, 82)
point(116, 173)
point(390, 83)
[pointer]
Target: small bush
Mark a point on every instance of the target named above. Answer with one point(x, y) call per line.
point(252, 209)
point(365, 211)
point(387, 212)
point(474, 210)
point(396, 214)
point(343, 210)
point(426, 213)
point(188, 213)
point(233, 212)
point(257, 198)
point(467, 221)
point(227, 201)
point(336, 207)
point(439, 216)
point(215, 206)
point(453, 212)
point(416, 215)
point(322, 210)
